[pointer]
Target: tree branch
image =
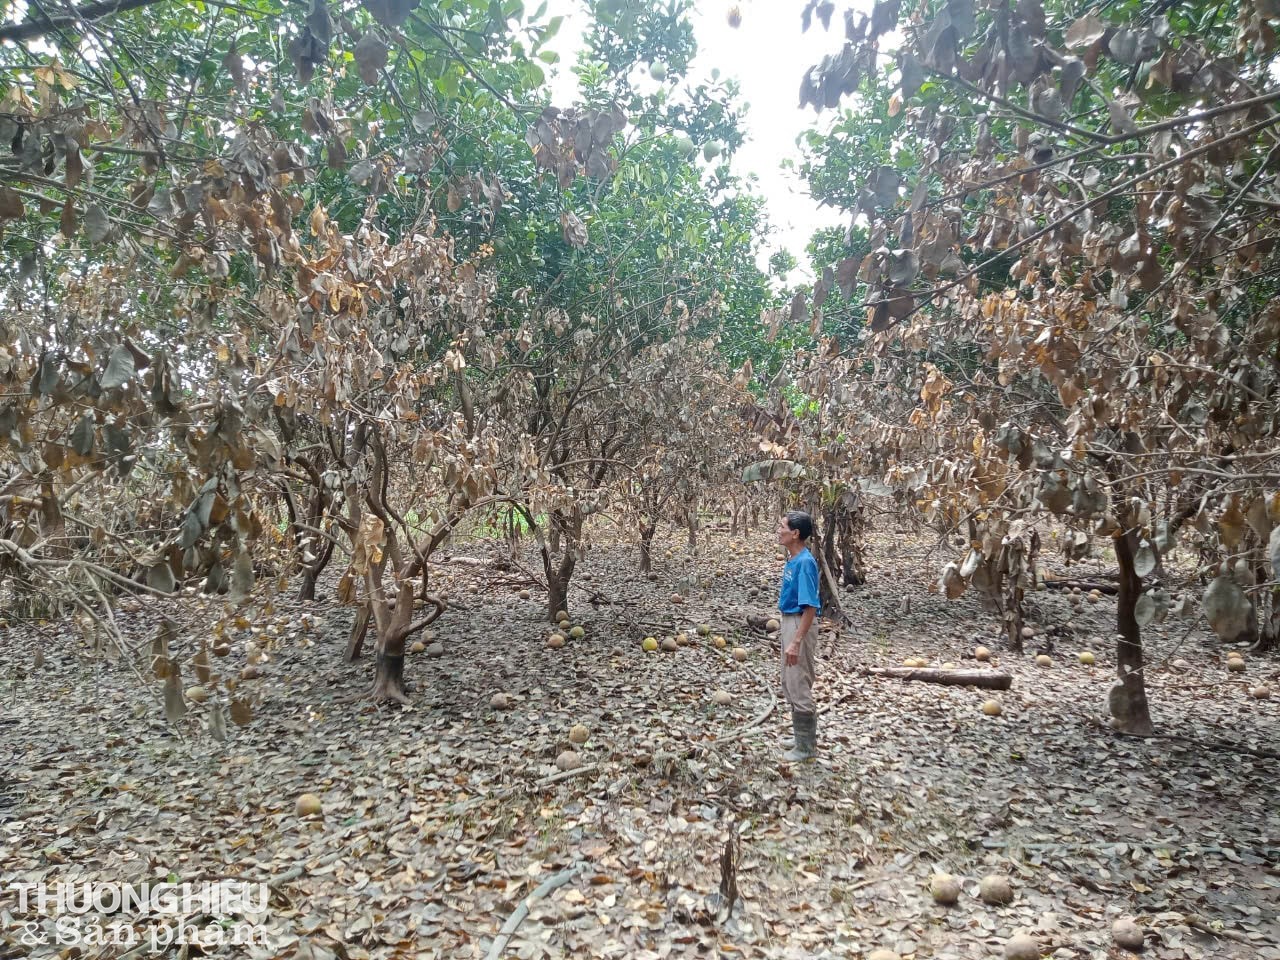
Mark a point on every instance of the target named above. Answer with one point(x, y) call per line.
point(40, 23)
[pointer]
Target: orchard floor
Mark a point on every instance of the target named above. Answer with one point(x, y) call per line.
point(439, 820)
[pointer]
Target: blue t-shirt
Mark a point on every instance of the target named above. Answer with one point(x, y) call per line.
point(800, 584)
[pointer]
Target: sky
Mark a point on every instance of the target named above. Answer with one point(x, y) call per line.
point(767, 55)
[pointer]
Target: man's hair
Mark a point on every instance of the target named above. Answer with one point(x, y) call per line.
point(801, 523)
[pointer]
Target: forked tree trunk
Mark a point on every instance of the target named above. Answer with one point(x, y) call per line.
point(1128, 700)
point(646, 546)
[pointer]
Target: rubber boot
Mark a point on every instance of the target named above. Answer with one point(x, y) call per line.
point(805, 726)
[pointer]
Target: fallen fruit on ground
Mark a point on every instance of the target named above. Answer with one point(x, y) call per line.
point(1044, 660)
point(995, 889)
point(197, 694)
point(1235, 666)
point(577, 633)
point(704, 630)
point(719, 642)
point(676, 598)
point(650, 644)
point(1127, 934)
point(569, 760)
point(307, 805)
point(982, 654)
point(991, 708)
point(1087, 658)
point(1028, 633)
point(524, 594)
point(555, 641)
point(578, 733)
point(1261, 693)
point(682, 639)
point(945, 889)
point(771, 624)
point(418, 647)
point(722, 698)
point(561, 616)
point(739, 654)
point(669, 644)
point(499, 701)
point(1021, 946)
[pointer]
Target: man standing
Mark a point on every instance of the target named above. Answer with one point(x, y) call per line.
point(800, 606)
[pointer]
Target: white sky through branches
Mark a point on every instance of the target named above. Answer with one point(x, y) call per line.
point(767, 55)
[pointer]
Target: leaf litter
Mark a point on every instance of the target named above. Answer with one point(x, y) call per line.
point(440, 822)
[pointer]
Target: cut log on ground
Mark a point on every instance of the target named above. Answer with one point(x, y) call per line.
point(957, 678)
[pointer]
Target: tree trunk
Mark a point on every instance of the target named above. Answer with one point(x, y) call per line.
point(355, 641)
point(691, 519)
point(1269, 639)
point(1128, 700)
point(388, 683)
point(646, 547)
point(558, 577)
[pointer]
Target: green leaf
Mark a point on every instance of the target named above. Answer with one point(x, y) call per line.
point(549, 56)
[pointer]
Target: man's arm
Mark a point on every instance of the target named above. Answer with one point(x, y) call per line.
point(806, 621)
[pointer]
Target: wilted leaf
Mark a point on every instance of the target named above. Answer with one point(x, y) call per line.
point(768, 470)
point(82, 436)
point(951, 582)
point(11, 207)
point(847, 276)
point(912, 75)
point(67, 222)
point(241, 713)
point(175, 708)
point(120, 368)
point(1144, 561)
point(1085, 32)
point(200, 663)
point(904, 267)
point(217, 721)
point(160, 577)
point(96, 225)
point(573, 229)
point(1226, 608)
point(1120, 118)
point(242, 575)
point(371, 56)
point(1231, 526)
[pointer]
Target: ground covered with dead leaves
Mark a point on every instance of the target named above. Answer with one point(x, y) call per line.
point(448, 825)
